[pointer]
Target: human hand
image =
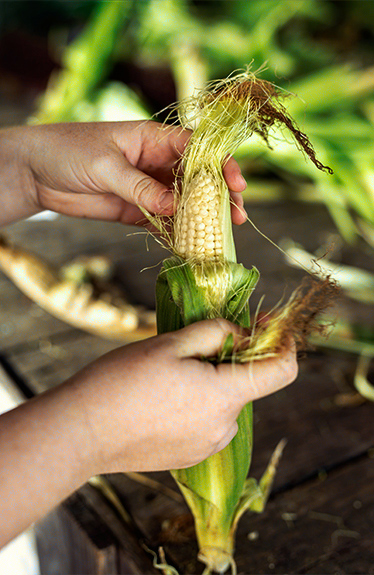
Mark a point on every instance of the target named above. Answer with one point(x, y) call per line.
point(155, 405)
point(149, 406)
point(100, 170)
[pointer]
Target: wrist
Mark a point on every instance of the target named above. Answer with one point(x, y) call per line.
point(77, 433)
point(17, 185)
point(52, 448)
point(109, 448)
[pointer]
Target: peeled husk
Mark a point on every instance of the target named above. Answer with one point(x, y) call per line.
point(66, 295)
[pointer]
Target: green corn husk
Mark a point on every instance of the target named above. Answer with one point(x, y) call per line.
point(208, 283)
point(180, 302)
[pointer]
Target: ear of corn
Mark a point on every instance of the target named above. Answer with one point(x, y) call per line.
point(212, 503)
point(201, 235)
point(203, 280)
point(66, 295)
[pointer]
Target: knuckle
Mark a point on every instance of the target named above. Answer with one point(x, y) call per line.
point(217, 436)
point(142, 190)
point(103, 162)
point(225, 440)
point(224, 325)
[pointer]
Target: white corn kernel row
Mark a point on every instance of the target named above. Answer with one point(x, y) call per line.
point(199, 231)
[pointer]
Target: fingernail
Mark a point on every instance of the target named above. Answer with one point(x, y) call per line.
point(167, 202)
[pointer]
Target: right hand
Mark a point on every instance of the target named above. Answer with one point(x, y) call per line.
point(154, 405)
point(149, 406)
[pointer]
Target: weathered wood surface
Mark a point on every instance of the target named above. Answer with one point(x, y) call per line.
point(325, 470)
point(86, 536)
point(322, 526)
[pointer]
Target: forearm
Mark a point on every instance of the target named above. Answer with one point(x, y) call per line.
point(44, 456)
point(16, 180)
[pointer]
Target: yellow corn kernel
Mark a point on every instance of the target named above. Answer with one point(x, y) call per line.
point(199, 234)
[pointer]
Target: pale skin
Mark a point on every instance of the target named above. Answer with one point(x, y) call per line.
point(119, 413)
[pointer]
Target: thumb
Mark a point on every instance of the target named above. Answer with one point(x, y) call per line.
point(204, 338)
point(138, 188)
point(260, 378)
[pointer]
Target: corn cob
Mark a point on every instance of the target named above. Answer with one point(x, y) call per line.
point(203, 280)
point(200, 234)
point(64, 295)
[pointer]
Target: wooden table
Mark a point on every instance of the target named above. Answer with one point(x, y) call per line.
point(320, 517)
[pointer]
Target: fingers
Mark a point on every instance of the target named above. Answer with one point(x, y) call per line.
point(236, 184)
point(204, 339)
point(227, 439)
point(233, 176)
point(177, 139)
point(238, 213)
point(271, 375)
point(118, 176)
point(247, 382)
point(148, 193)
point(158, 148)
point(155, 159)
point(107, 207)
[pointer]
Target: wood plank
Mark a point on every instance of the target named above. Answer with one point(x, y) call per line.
point(85, 535)
point(47, 362)
point(22, 320)
point(69, 544)
point(64, 238)
point(321, 435)
point(322, 526)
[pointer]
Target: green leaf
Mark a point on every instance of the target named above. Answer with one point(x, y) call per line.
point(185, 293)
point(243, 283)
point(192, 299)
point(169, 317)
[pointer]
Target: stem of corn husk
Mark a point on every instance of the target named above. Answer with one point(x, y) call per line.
point(202, 280)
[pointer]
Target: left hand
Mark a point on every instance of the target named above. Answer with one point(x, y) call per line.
point(104, 170)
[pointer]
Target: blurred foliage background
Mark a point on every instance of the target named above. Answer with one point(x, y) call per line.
point(90, 61)
point(130, 59)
